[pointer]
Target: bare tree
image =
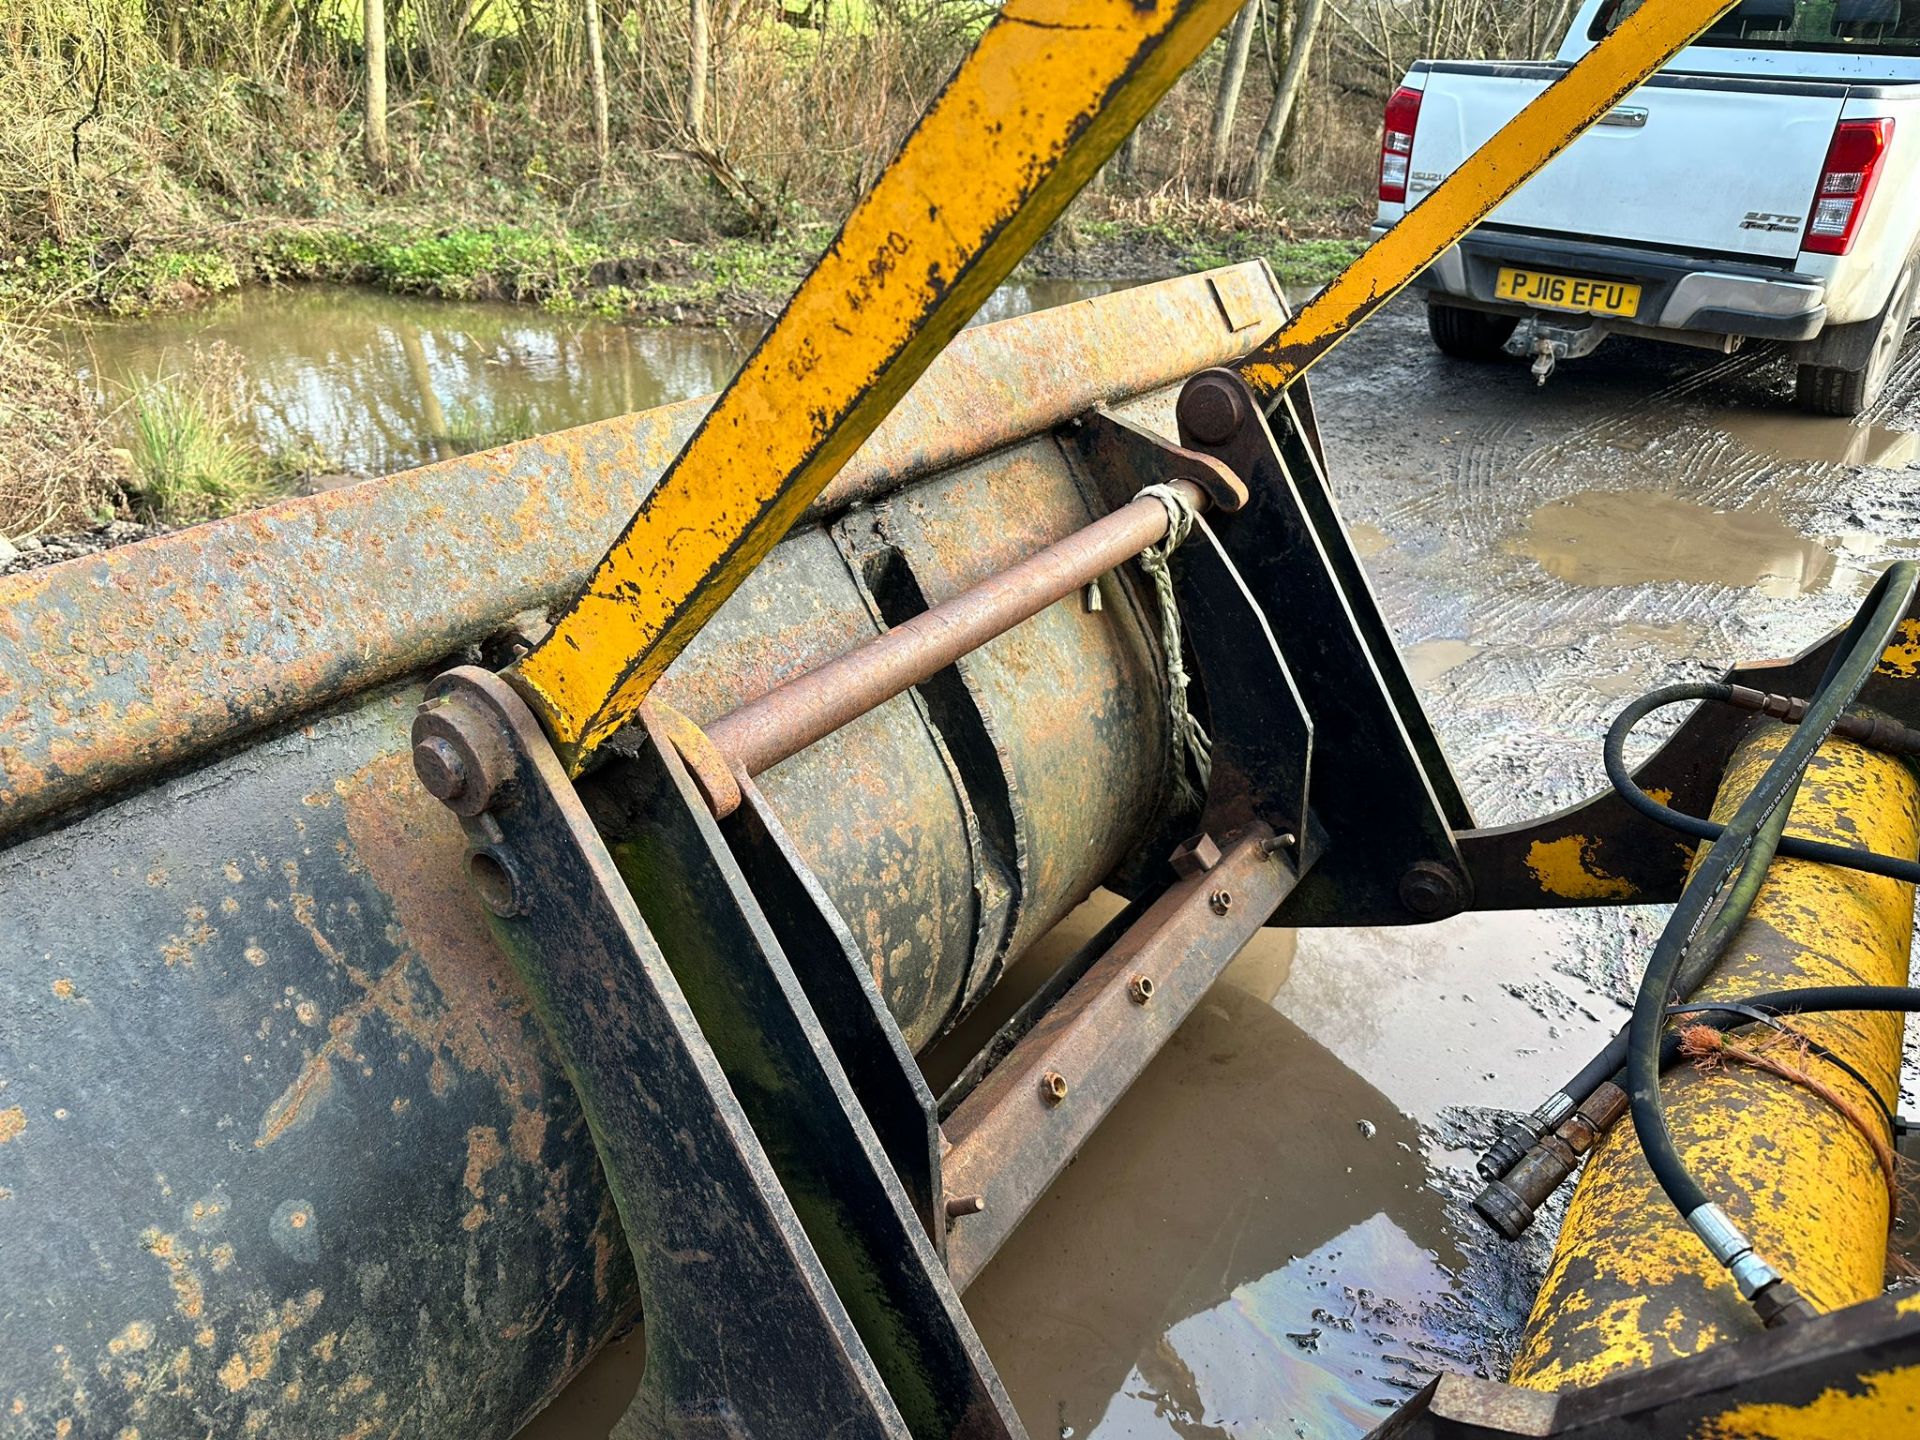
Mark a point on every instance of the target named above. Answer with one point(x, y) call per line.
point(697, 66)
point(1267, 149)
point(1226, 104)
point(375, 45)
point(597, 69)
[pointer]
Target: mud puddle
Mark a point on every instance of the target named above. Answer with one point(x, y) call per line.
point(1268, 1236)
point(1642, 537)
point(1810, 438)
point(1216, 1263)
point(1431, 659)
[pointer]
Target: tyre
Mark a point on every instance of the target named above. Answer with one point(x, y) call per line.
point(1830, 390)
point(1468, 334)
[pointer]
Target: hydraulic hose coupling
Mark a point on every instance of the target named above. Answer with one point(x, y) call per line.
point(1773, 1299)
point(1522, 1133)
point(1509, 1204)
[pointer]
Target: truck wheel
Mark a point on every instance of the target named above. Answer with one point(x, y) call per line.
point(1468, 334)
point(1830, 390)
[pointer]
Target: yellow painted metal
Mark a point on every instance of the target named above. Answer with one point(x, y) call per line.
point(1881, 1403)
point(1047, 95)
point(1630, 1286)
point(1652, 35)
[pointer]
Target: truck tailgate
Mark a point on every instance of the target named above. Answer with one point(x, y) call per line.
point(1675, 165)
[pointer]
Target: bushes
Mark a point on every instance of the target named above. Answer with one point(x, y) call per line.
point(57, 467)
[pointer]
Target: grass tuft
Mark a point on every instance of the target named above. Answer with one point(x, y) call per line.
point(193, 458)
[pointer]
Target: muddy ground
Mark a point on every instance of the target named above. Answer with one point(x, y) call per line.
point(1269, 1237)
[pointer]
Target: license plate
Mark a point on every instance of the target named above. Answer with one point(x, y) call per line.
point(1564, 292)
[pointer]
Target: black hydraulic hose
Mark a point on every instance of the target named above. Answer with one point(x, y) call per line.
point(1747, 842)
point(1710, 1011)
point(1522, 1132)
point(1891, 866)
point(1512, 1200)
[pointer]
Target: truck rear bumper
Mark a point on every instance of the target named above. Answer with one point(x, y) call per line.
point(1681, 294)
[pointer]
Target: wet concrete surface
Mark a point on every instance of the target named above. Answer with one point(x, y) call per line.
point(1269, 1237)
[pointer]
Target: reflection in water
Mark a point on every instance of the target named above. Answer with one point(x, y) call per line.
point(1218, 1260)
point(371, 382)
point(1637, 537)
point(1827, 441)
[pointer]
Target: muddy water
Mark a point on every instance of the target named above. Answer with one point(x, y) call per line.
point(1639, 537)
point(359, 382)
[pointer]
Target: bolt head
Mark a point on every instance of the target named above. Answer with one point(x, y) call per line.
point(440, 768)
point(460, 756)
point(1053, 1087)
point(1221, 901)
point(1433, 891)
point(1140, 988)
point(1212, 409)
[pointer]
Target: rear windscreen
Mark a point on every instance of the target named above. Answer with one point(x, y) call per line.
point(1889, 27)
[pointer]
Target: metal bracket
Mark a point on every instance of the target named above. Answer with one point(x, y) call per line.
point(1602, 851)
point(846, 1001)
point(1263, 737)
point(1385, 795)
point(789, 1286)
point(1849, 1372)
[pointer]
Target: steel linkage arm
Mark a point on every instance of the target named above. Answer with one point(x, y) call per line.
point(1047, 95)
point(1651, 35)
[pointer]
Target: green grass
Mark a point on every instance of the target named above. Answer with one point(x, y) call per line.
point(191, 459)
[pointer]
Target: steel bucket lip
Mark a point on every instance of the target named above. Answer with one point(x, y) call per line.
point(144, 657)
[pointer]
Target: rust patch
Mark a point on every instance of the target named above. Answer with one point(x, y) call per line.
point(12, 1121)
point(136, 1337)
point(257, 1353)
point(64, 988)
point(414, 851)
point(189, 1295)
point(483, 1153)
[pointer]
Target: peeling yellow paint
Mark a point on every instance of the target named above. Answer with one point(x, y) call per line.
point(1789, 1169)
point(1887, 1403)
point(1902, 658)
point(1565, 867)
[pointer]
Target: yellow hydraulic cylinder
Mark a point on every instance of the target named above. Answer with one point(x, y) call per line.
point(1630, 1285)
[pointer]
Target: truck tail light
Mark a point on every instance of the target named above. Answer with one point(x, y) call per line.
point(1846, 184)
point(1396, 144)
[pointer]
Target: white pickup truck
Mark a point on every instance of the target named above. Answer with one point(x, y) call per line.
point(1762, 186)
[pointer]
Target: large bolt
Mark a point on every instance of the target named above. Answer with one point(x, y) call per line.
point(1212, 409)
point(1433, 891)
point(441, 768)
point(1221, 901)
point(1140, 988)
point(1053, 1087)
point(460, 757)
